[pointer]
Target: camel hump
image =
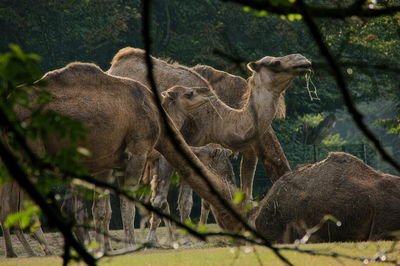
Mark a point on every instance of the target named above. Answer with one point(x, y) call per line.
point(206, 72)
point(126, 53)
point(343, 157)
point(231, 89)
point(74, 72)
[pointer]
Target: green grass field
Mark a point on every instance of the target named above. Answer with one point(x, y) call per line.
point(219, 251)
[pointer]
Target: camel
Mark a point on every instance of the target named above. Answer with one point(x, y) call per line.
point(12, 198)
point(232, 90)
point(216, 159)
point(121, 116)
point(244, 130)
point(365, 202)
point(129, 62)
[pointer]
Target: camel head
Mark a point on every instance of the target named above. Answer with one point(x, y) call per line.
point(216, 158)
point(180, 101)
point(277, 73)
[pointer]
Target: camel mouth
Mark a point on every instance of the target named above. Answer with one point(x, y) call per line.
point(303, 68)
point(210, 97)
point(307, 65)
point(197, 105)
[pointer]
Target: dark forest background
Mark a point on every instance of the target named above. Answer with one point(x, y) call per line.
point(227, 36)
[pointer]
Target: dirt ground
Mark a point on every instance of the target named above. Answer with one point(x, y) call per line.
point(55, 241)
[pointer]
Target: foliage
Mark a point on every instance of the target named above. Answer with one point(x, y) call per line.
point(312, 120)
point(23, 218)
point(333, 140)
point(22, 91)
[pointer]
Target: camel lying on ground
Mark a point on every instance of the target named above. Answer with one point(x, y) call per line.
point(364, 201)
point(121, 116)
point(12, 200)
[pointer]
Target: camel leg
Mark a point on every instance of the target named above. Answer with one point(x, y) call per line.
point(168, 223)
point(271, 154)
point(205, 210)
point(81, 218)
point(155, 222)
point(102, 213)
point(247, 169)
point(185, 201)
point(106, 226)
point(20, 235)
point(160, 186)
point(185, 204)
point(74, 206)
point(8, 243)
point(133, 173)
point(148, 174)
point(39, 236)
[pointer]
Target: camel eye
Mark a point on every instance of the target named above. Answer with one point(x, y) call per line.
point(189, 95)
point(275, 64)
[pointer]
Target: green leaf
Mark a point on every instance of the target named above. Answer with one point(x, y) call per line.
point(175, 179)
point(238, 198)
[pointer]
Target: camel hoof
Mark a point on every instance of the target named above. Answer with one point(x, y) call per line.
point(153, 245)
point(187, 242)
point(49, 253)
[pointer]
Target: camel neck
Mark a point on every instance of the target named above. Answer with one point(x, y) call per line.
point(263, 106)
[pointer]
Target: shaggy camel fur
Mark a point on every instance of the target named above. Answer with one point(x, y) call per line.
point(12, 199)
point(365, 201)
point(215, 158)
point(121, 116)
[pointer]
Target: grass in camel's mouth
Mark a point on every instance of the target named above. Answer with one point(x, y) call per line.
point(312, 92)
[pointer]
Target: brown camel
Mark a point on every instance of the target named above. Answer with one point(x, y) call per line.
point(232, 90)
point(12, 199)
point(216, 159)
point(244, 130)
point(365, 202)
point(129, 62)
point(121, 116)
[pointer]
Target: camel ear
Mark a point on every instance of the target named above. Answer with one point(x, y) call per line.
point(253, 66)
point(169, 94)
point(164, 94)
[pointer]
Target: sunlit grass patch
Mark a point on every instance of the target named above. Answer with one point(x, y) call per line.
point(219, 251)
